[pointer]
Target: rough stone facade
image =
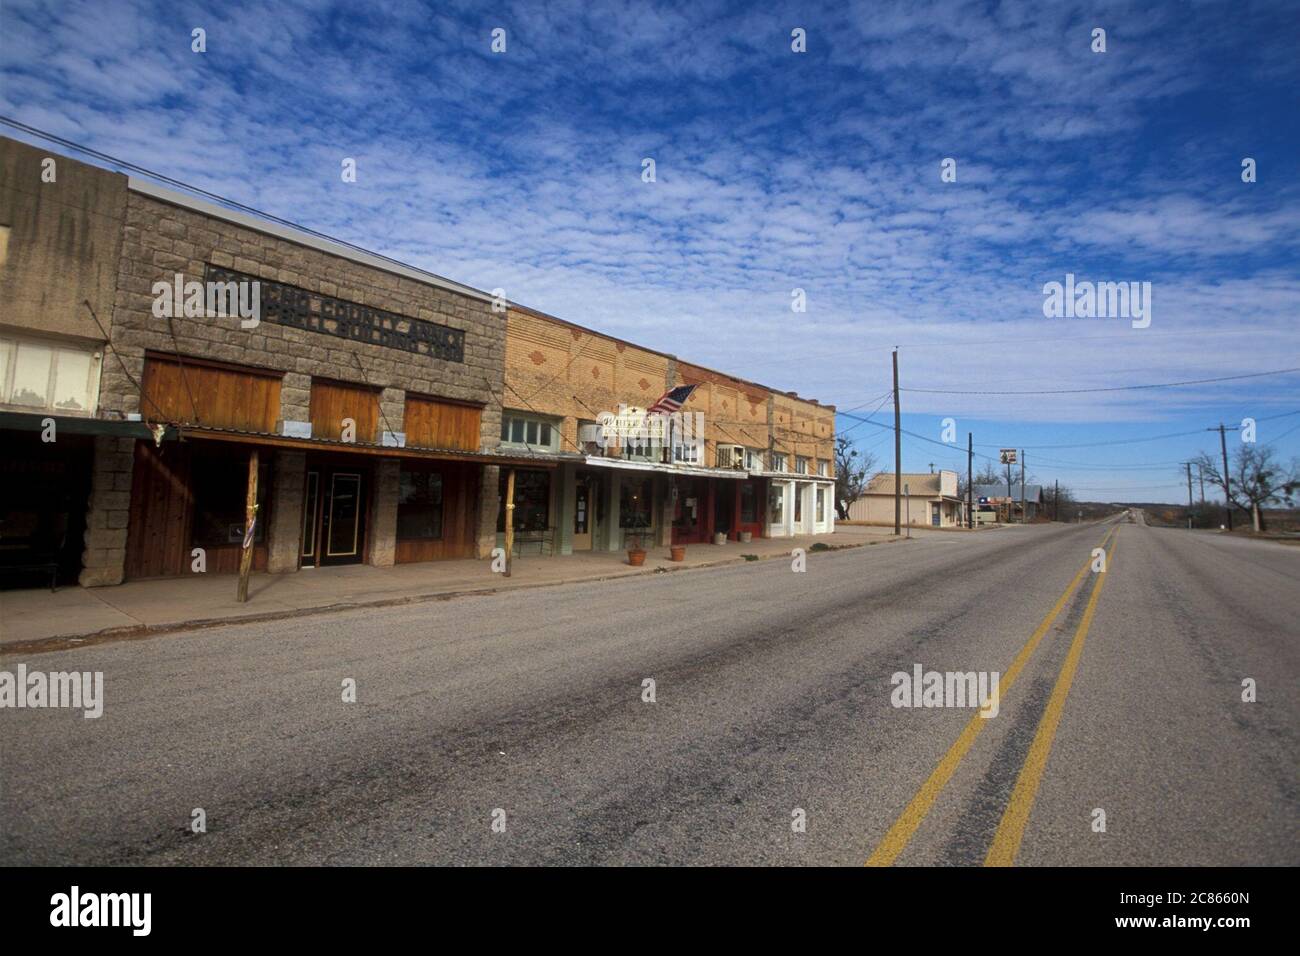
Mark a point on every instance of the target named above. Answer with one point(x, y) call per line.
point(284, 534)
point(161, 240)
point(106, 518)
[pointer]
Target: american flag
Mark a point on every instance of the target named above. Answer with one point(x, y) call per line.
point(671, 400)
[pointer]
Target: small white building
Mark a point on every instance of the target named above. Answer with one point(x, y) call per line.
point(928, 500)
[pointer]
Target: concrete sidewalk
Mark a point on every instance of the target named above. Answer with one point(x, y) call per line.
point(29, 618)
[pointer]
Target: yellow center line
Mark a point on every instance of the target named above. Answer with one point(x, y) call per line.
point(1011, 829)
point(896, 840)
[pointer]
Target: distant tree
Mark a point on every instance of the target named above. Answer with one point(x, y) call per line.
point(1255, 478)
point(851, 469)
point(987, 475)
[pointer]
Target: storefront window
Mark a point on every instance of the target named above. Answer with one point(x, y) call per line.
point(776, 503)
point(532, 500)
point(748, 502)
point(821, 505)
point(798, 504)
point(419, 505)
point(634, 506)
point(220, 487)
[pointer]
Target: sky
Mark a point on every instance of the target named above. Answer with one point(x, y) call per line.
point(774, 171)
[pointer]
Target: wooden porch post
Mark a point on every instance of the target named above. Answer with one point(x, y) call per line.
point(250, 528)
point(510, 519)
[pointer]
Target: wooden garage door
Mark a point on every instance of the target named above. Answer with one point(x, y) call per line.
point(437, 423)
point(199, 392)
point(332, 402)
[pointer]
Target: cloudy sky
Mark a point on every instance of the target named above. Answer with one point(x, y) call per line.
point(774, 171)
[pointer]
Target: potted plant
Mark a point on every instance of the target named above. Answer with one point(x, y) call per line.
point(746, 537)
point(636, 540)
point(677, 552)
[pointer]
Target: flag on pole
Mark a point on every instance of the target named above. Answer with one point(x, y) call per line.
point(671, 400)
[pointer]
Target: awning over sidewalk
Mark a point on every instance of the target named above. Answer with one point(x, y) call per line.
point(363, 448)
point(75, 425)
point(685, 471)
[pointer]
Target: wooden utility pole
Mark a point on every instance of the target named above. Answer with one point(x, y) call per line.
point(1227, 489)
point(250, 529)
point(510, 519)
point(1189, 494)
point(970, 490)
point(898, 455)
point(1024, 515)
point(1056, 501)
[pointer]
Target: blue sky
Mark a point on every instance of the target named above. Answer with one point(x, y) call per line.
point(775, 171)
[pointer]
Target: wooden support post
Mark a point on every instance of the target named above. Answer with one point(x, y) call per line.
point(510, 519)
point(250, 529)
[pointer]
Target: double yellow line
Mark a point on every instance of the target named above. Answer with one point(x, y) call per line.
point(1006, 841)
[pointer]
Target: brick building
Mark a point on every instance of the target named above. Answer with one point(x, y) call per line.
point(764, 465)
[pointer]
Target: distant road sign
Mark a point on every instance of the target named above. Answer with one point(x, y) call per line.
point(1007, 456)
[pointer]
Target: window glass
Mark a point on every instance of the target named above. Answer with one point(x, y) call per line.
point(32, 375)
point(748, 503)
point(546, 435)
point(419, 505)
point(531, 433)
point(505, 428)
point(532, 500)
point(517, 431)
point(219, 485)
point(776, 502)
point(821, 504)
point(798, 505)
point(634, 505)
point(72, 381)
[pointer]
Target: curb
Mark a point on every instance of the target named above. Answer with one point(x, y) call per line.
point(135, 632)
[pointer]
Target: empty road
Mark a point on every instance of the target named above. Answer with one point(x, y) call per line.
point(1120, 691)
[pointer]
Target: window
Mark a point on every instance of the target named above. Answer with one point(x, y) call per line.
point(530, 431)
point(800, 465)
point(823, 468)
point(776, 503)
point(748, 502)
point(220, 487)
point(821, 504)
point(798, 504)
point(635, 511)
point(532, 500)
point(688, 453)
point(43, 374)
point(753, 459)
point(778, 461)
point(419, 505)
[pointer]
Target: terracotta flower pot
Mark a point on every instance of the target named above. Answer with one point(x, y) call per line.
point(678, 552)
point(635, 558)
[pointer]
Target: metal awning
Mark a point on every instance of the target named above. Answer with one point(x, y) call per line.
point(362, 448)
point(76, 425)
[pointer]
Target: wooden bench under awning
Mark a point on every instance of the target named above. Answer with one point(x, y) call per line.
point(197, 432)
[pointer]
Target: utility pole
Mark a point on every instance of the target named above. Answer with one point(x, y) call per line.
point(1227, 483)
point(898, 454)
point(1024, 516)
point(932, 468)
point(1189, 495)
point(1056, 502)
point(1200, 473)
point(970, 489)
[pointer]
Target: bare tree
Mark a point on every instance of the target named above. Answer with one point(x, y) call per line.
point(851, 469)
point(987, 475)
point(1255, 478)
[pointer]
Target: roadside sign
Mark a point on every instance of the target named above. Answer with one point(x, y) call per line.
point(1007, 456)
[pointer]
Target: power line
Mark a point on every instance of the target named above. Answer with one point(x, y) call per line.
point(1112, 388)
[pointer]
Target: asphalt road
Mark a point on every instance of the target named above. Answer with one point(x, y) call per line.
point(773, 693)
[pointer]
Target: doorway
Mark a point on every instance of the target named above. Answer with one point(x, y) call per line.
point(688, 511)
point(586, 510)
point(724, 508)
point(334, 516)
